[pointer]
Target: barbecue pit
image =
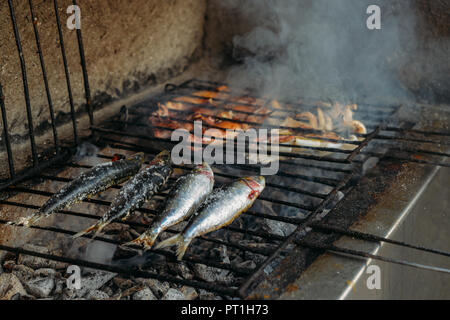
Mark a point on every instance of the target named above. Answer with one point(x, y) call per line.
point(323, 200)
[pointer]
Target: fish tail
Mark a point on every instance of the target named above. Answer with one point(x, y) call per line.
point(182, 247)
point(27, 221)
point(147, 239)
point(178, 240)
point(96, 227)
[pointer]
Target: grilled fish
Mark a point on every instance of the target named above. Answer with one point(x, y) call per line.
point(189, 192)
point(91, 182)
point(135, 192)
point(220, 209)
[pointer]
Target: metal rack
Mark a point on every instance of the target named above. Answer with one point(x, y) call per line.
point(336, 172)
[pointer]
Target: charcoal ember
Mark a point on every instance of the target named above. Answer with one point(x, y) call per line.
point(115, 228)
point(279, 228)
point(173, 294)
point(249, 264)
point(124, 252)
point(206, 295)
point(123, 283)
point(40, 287)
point(59, 287)
point(256, 257)
point(108, 290)
point(23, 273)
point(97, 295)
point(93, 281)
point(180, 269)
point(189, 292)
point(144, 294)
point(158, 288)
point(128, 293)
point(220, 253)
point(9, 265)
point(211, 274)
point(10, 286)
point(47, 272)
point(37, 262)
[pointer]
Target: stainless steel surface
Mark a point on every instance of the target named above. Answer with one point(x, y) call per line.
point(416, 212)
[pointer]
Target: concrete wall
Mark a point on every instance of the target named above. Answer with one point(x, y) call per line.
point(128, 44)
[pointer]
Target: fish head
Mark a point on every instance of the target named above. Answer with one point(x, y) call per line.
point(256, 185)
point(204, 169)
point(138, 157)
point(161, 158)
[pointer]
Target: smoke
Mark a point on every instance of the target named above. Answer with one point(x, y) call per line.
point(322, 48)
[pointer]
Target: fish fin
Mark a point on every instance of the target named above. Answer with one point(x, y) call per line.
point(96, 227)
point(178, 240)
point(182, 247)
point(169, 242)
point(27, 221)
point(147, 239)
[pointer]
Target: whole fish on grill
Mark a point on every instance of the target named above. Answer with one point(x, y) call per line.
point(95, 180)
point(135, 192)
point(220, 209)
point(189, 192)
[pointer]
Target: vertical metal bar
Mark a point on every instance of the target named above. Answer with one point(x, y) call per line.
point(6, 134)
point(66, 70)
point(25, 84)
point(87, 89)
point(44, 75)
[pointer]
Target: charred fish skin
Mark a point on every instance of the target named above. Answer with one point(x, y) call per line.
point(220, 209)
point(135, 192)
point(189, 192)
point(97, 179)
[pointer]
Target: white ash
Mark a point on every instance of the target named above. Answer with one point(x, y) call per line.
point(93, 281)
point(23, 273)
point(144, 294)
point(173, 294)
point(40, 287)
point(181, 269)
point(97, 295)
point(211, 274)
point(279, 228)
point(159, 288)
point(206, 295)
point(10, 286)
point(189, 293)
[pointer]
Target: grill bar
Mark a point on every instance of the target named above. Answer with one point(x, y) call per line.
point(44, 77)
point(6, 135)
point(87, 90)
point(66, 71)
point(25, 84)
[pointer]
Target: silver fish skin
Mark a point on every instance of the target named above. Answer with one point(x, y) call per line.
point(95, 180)
point(135, 192)
point(189, 192)
point(220, 209)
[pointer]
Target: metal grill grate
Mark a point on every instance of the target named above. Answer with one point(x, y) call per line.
point(332, 173)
